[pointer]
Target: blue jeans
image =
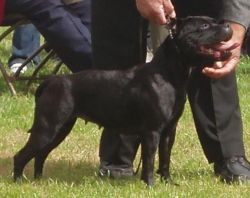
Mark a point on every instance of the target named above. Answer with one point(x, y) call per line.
point(26, 39)
point(67, 32)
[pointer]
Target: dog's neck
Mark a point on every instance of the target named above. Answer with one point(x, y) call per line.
point(169, 58)
point(169, 55)
point(171, 51)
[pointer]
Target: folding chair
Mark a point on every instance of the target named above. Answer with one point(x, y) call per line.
point(12, 22)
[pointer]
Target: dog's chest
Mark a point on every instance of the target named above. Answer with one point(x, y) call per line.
point(166, 95)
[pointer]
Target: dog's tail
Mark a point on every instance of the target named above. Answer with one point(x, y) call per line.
point(38, 93)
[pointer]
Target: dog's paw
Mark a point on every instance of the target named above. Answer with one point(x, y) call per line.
point(148, 180)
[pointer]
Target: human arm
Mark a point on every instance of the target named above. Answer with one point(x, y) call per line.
point(2, 6)
point(157, 11)
point(237, 14)
point(220, 69)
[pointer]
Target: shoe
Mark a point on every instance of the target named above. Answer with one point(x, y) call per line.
point(115, 171)
point(14, 67)
point(233, 169)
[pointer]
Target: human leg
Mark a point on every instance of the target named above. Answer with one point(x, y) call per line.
point(215, 107)
point(63, 29)
point(119, 34)
point(216, 112)
point(25, 41)
point(119, 42)
point(83, 10)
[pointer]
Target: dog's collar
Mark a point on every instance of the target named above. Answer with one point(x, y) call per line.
point(171, 36)
point(170, 31)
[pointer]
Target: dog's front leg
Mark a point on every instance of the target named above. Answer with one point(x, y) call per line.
point(165, 147)
point(150, 141)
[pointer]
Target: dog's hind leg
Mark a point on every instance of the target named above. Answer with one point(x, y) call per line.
point(43, 134)
point(42, 154)
point(165, 147)
point(35, 143)
point(150, 141)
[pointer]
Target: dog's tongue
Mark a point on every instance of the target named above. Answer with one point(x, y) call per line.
point(233, 46)
point(220, 49)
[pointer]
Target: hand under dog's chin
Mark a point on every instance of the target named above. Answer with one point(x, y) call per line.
point(206, 60)
point(217, 53)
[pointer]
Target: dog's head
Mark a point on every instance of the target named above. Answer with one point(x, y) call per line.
point(197, 37)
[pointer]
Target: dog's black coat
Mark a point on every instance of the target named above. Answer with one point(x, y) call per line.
point(147, 99)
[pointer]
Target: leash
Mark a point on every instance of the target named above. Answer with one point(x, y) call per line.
point(170, 32)
point(170, 28)
point(171, 35)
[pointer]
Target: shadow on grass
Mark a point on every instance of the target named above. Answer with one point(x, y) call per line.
point(61, 171)
point(192, 174)
point(82, 173)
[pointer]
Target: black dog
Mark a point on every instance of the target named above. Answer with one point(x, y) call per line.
point(147, 99)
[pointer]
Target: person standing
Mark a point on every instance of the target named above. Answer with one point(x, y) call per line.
point(119, 41)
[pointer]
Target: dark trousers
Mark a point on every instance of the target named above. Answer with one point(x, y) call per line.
point(65, 27)
point(119, 40)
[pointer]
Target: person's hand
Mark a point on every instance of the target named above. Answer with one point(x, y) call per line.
point(157, 11)
point(220, 69)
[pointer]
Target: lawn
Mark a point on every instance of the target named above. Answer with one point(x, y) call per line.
point(71, 169)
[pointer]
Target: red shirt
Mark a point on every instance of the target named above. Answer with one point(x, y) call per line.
point(2, 3)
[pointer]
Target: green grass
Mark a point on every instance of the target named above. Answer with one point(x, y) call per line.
point(71, 169)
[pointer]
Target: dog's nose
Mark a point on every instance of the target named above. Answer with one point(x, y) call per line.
point(227, 28)
point(226, 25)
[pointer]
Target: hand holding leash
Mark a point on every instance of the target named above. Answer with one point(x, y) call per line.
point(157, 11)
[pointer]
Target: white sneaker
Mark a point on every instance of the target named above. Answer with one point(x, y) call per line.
point(15, 66)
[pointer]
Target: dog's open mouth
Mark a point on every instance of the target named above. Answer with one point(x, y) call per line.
point(217, 52)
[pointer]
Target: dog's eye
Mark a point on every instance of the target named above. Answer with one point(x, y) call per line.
point(204, 26)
